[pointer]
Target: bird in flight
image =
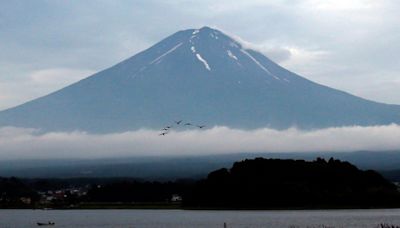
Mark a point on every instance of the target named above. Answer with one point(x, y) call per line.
point(201, 126)
point(164, 133)
point(178, 122)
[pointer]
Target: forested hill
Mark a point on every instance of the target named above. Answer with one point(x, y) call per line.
point(275, 183)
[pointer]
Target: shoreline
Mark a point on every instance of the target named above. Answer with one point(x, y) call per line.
point(178, 206)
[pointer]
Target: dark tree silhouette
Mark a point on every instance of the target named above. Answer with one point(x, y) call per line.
point(274, 183)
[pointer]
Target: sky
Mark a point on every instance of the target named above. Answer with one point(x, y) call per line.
point(349, 45)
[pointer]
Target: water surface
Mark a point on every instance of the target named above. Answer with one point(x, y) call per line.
point(183, 218)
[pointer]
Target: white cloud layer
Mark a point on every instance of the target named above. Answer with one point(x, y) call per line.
point(21, 143)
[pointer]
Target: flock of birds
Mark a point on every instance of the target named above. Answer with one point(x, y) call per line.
point(166, 129)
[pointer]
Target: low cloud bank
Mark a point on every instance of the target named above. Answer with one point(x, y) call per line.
point(22, 143)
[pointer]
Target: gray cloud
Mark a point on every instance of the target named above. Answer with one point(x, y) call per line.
point(278, 54)
point(17, 143)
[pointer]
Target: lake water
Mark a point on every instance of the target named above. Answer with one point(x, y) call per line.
point(182, 218)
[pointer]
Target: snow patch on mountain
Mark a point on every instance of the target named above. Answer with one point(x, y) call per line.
point(203, 61)
point(259, 64)
point(230, 54)
point(233, 44)
point(166, 53)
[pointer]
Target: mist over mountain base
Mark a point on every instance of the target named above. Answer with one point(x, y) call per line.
point(182, 167)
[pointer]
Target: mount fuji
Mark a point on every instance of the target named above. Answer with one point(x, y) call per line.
point(199, 75)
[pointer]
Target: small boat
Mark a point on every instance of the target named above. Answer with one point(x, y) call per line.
point(45, 223)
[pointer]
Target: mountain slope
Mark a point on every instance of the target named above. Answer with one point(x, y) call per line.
point(202, 76)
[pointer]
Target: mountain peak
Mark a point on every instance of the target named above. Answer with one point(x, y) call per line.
point(207, 28)
point(198, 75)
point(206, 34)
point(204, 29)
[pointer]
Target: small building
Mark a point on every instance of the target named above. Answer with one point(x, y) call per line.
point(176, 198)
point(26, 200)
